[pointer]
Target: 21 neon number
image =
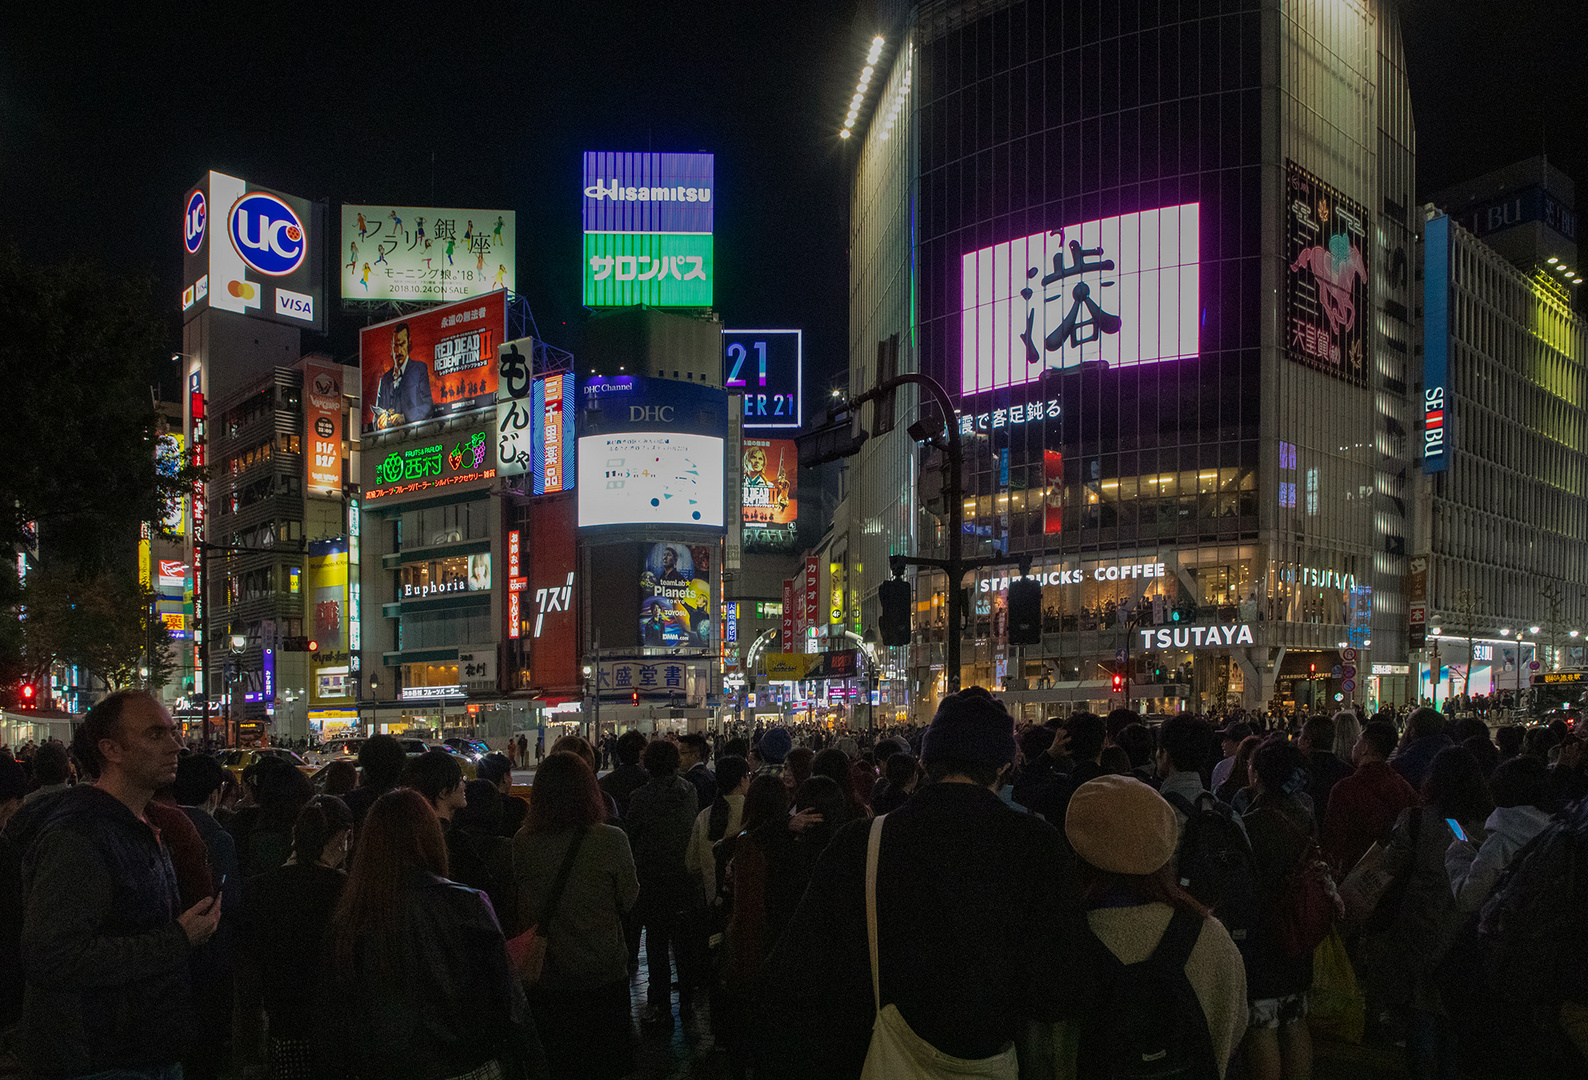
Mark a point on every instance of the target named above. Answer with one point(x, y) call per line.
point(738, 354)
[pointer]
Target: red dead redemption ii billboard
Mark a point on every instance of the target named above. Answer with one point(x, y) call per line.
point(431, 363)
point(1326, 287)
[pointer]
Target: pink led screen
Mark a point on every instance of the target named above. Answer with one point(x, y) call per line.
point(1120, 291)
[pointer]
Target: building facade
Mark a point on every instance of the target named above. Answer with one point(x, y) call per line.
point(1500, 585)
point(1162, 262)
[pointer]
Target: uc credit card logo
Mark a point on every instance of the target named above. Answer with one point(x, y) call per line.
point(193, 222)
point(267, 234)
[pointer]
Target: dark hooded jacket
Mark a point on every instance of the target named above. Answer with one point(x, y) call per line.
point(105, 960)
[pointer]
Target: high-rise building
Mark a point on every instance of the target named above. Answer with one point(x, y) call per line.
point(1161, 260)
point(1499, 589)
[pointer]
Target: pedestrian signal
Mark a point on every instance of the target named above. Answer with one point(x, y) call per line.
point(894, 621)
point(1119, 683)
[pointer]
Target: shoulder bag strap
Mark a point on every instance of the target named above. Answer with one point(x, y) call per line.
point(561, 882)
point(873, 851)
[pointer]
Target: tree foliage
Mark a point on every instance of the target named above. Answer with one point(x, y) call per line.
point(105, 623)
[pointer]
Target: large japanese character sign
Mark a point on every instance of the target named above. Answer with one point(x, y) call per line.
point(1117, 292)
point(1326, 283)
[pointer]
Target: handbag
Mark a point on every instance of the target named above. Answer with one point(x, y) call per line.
point(896, 1052)
point(527, 951)
point(1376, 885)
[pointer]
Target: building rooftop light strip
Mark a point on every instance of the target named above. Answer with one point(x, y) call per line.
point(862, 86)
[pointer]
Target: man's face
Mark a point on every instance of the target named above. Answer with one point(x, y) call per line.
point(146, 747)
point(688, 756)
point(399, 348)
point(669, 560)
point(1230, 746)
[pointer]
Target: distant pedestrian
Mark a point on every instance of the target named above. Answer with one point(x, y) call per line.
point(660, 817)
point(380, 763)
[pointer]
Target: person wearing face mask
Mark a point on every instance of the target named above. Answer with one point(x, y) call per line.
point(285, 915)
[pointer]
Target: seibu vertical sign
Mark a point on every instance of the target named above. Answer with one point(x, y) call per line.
point(322, 426)
point(1436, 344)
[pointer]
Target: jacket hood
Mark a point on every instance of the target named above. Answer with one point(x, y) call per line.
point(79, 803)
point(1519, 824)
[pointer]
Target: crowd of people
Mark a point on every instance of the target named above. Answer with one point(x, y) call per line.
point(1090, 897)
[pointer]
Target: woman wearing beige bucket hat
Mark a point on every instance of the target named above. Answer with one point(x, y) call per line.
point(1171, 981)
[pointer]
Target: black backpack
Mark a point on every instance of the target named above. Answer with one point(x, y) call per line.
point(1512, 964)
point(1148, 1023)
point(1215, 863)
point(1530, 928)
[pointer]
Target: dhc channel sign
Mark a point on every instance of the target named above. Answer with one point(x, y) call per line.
point(267, 234)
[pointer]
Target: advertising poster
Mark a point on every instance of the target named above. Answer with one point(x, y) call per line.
point(425, 253)
point(431, 363)
point(1326, 285)
point(675, 596)
point(648, 222)
point(515, 406)
point(322, 426)
point(1119, 291)
point(812, 583)
point(769, 502)
point(787, 622)
point(168, 455)
point(325, 620)
point(552, 460)
point(1053, 494)
point(551, 622)
point(461, 459)
point(253, 251)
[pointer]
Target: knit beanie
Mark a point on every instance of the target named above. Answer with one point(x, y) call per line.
point(775, 744)
point(1122, 826)
point(971, 727)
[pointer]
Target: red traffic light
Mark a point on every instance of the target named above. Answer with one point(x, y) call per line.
point(29, 691)
point(314, 646)
point(1119, 684)
point(634, 698)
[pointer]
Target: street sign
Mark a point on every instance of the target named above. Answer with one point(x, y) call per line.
point(1533, 665)
point(1349, 671)
point(1348, 655)
point(1348, 686)
point(1119, 656)
point(1336, 671)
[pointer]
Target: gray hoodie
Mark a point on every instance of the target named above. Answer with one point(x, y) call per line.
point(1474, 871)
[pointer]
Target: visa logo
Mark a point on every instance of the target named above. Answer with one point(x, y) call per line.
point(294, 305)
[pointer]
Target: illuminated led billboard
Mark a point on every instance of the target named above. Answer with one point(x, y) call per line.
point(431, 363)
point(764, 370)
point(425, 253)
point(253, 251)
point(648, 222)
point(1117, 292)
point(650, 478)
point(1326, 284)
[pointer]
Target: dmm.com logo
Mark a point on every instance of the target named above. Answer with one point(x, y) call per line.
point(267, 234)
point(193, 222)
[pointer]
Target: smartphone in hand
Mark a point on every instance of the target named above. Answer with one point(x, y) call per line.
point(1455, 827)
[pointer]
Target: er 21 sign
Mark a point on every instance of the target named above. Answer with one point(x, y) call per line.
point(764, 370)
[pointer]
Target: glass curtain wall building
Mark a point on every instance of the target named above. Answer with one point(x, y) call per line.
point(1159, 254)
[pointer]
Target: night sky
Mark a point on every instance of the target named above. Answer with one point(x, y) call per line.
point(109, 113)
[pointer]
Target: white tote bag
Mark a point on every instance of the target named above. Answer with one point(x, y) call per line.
point(896, 1052)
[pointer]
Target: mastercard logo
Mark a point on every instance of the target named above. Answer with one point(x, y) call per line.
point(243, 290)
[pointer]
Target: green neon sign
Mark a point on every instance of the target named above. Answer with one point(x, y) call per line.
point(658, 269)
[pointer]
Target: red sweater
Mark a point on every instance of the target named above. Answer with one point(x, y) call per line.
point(1363, 808)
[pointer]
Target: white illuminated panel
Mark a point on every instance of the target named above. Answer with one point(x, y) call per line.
point(1120, 291)
point(650, 478)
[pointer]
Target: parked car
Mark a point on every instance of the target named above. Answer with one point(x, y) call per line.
point(238, 760)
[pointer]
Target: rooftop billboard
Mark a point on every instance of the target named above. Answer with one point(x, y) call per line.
point(425, 253)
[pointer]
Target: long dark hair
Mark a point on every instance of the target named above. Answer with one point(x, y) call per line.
point(401, 833)
point(565, 796)
point(767, 800)
point(1455, 786)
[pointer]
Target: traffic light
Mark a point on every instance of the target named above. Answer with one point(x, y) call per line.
point(1025, 612)
point(299, 644)
point(634, 697)
point(29, 694)
point(894, 620)
point(1119, 683)
point(314, 646)
point(1174, 616)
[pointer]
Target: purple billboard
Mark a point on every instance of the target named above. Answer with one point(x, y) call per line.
point(648, 193)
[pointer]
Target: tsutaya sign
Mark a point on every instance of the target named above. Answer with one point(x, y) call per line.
point(1114, 572)
point(1199, 637)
